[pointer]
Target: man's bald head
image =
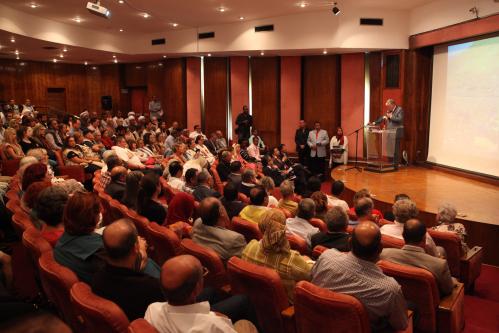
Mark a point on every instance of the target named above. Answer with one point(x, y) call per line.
point(414, 232)
point(118, 172)
point(119, 239)
point(181, 279)
point(366, 241)
point(209, 211)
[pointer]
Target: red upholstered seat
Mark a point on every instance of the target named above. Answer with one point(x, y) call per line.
point(246, 228)
point(141, 326)
point(465, 267)
point(76, 172)
point(286, 212)
point(298, 244)
point(318, 223)
point(392, 242)
point(319, 310)
point(21, 221)
point(219, 186)
point(139, 221)
point(217, 275)
point(57, 281)
point(14, 203)
point(110, 211)
point(243, 197)
point(165, 242)
point(318, 250)
point(98, 315)
point(419, 286)
point(35, 244)
point(168, 191)
point(10, 167)
point(264, 287)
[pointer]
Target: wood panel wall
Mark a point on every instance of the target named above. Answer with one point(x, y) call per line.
point(375, 109)
point(215, 95)
point(175, 92)
point(84, 85)
point(265, 84)
point(321, 92)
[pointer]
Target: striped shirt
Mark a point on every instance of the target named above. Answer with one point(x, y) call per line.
point(291, 267)
point(381, 295)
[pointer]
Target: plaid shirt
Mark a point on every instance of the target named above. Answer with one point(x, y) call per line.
point(291, 267)
point(105, 179)
point(381, 295)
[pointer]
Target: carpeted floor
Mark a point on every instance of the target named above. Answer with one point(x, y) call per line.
point(481, 309)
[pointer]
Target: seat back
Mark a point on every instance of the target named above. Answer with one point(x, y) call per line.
point(140, 223)
point(165, 242)
point(59, 158)
point(10, 167)
point(98, 315)
point(391, 242)
point(286, 212)
point(35, 244)
point(246, 228)
point(319, 310)
point(21, 221)
point(298, 244)
point(168, 191)
point(14, 204)
point(141, 326)
point(217, 275)
point(76, 172)
point(318, 223)
point(110, 213)
point(57, 281)
point(419, 287)
point(219, 186)
point(265, 290)
point(451, 242)
point(318, 250)
point(242, 197)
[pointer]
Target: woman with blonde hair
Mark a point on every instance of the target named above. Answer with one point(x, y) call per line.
point(273, 251)
point(11, 148)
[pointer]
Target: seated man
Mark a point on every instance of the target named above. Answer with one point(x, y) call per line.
point(122, 279)
point(413, 254)
point(364, 211)
point(300, 225)
point(260, 144)
point(258, 205)
point(116, 188)
point(333, 200)
point(210, 230)
point(404, 210)
point(253, 150)
point(235, 173)
point(131, 160)
point(287, 192)
point(271, 171)
point(248, 181)
point(182, 283)
point(176, 170)
point(336, 236)
point(232, 204)
point(356, 274)
point(203, 189)
point(111, 161)
point(223, 167)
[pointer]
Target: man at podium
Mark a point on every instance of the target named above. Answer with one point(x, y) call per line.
point(394, 119)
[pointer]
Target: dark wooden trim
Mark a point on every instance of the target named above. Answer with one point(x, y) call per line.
point(472, 28)
point(302, 90)
point(489, 179)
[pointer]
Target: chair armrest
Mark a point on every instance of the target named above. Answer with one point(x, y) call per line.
point(450, 312)
point(476, 250)
point(410, 324)
point(471, 266)
point(448, 302)
point(289, 312)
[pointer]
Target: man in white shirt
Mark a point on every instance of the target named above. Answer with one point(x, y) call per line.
point(155, 108)
point(253, 149)
point(182, 282)
point(175, 180)
point(404, 210)
point(131, 160)
point(333, 200)
point(197, 131)
point(299, 225)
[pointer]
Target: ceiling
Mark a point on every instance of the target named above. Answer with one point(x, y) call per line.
point(186, 13)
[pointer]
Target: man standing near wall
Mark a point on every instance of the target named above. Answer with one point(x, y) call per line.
point(395, 120)
point(244, 121)
point(155, 109)
point(301, 136)
point(317, 140)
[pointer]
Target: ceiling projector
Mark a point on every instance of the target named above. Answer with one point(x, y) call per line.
point(97, 9)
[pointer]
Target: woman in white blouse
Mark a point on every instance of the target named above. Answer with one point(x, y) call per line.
point(203, 150)
point(338, 141)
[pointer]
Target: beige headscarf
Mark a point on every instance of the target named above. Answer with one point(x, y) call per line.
point(273, 228)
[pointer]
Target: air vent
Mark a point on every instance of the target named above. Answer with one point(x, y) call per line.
point(204, 35)
point(371, 21)
point(50, 48)
point(261, 28)
point(159, 41)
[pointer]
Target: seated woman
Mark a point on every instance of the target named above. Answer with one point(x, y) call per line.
point(203, 150)
point(106, 138)
point(178, 153)
point(49, 209)
point(80, 248)
point(320, 200)
point(30, 198)
point(273, 251)
point(148, 204)
point(24, 135)
point(42, 157)
point(446, 222)
point(236, 156)
point(39, 137)
point(88, 152)
point(35, 172)
point(11, 149)
point(192, 151)
point(132, 185)
point(73, 155)
point(269, 186)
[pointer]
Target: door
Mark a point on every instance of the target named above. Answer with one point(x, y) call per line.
point(139, 100)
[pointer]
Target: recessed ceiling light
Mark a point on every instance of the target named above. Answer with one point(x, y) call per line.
point(94, 68)
point(174, 25)
point(33, 5)
point(222, 9)
point(121, 2)
point(164, 57)
point(114, 56)
point(115, 61)
point(324, 52)
point(303, 4)
point(54, 60)
point(209, 54)
point(17, 57)
point(145, 15)
point(77, 19)
point(262, 53)
point(12, 39)
point(64, 49)
point(121, 30)
point(241, 18)
point(16, 52)
point(85, 63)
point(61, 55)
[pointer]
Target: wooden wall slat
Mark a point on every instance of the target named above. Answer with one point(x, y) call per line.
point(321, 91)
point(375, 109)
point(175, 92)
point(215, 95)
point(265, 79)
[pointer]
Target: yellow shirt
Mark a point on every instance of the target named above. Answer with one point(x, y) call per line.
point(292, 267)
point(253, 213)
point(289, 205)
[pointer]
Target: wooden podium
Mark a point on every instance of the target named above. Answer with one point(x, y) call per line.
point(380, 149)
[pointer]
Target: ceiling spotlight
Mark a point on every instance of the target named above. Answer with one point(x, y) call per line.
point(241, 18)
point(16, 52)
point(145, 15)
point(114, 56)
point(115, 61)
point(121, 30)
point(324, 52)
point(33, 5)
point(121, 2)
point(174, 25)
point(222, 9)
point(335, 9)
point(209, 54)
point(85, 63)
point(164, 57)
point(17, 57)
point(61, 55)
point(54, 60)
point(303, 4)
point(77, 19)
point(64, 49)
point(12, 39)
point(262, 53)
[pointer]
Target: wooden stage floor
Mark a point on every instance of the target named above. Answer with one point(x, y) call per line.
point(475, 201)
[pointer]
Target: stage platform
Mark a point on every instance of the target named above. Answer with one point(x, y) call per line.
point(477, 202)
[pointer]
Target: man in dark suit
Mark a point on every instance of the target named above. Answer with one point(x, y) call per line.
point(395, 120)
point(336, 236)
point(223, 167)
point(301, 136)
point(244, 121)
point(203, 189)
point(211, 144)
point(235, 175)
point(116, 188)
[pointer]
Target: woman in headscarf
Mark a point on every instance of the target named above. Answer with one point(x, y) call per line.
point(339, 141)
point(273, 251)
